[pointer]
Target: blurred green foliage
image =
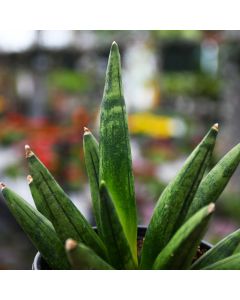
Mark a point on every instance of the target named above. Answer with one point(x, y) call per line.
point(178, 34)
point(14, 170)
point(229, 205)
point(69, 81)
point(190, 84)
point(10, 137)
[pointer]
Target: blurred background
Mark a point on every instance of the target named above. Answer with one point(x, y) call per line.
point(177, 85)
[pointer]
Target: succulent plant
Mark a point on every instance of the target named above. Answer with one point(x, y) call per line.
point(66, 240)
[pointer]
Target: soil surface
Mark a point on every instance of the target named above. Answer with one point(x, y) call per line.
point(200, 250)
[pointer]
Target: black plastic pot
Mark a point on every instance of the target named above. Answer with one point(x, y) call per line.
point(40, 264)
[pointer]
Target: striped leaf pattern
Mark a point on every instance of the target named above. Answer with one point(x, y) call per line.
point(172, 205)
point(115, 153)
point(179, 219)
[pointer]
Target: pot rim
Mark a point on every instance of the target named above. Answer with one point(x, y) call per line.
point(39, 263)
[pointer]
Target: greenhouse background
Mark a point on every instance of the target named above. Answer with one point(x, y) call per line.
point(177, 84)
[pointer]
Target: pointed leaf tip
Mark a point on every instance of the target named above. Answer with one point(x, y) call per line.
point(2, 185)
point(70, 244)
point(28, 151)
point(114, 49)
point(86, 130)
point(102, 184)
point(114, 44)
point(29, 179)
point(211, 207)
point(216, 126)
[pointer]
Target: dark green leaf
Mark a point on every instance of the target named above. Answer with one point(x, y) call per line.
point(221, 250)
point(119, 252)
point(64, 215)
point(83, 258)
point(229, 263)
point(91, 155)
point(115, 153)
point(38, 198)
point(175, 200)
point(179, 252)
point(214, 183)
point(38, 228)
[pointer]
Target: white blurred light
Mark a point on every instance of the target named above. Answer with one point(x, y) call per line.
point(209, 56)
point(168, 170)
point(138, 75)
point(56, 38)
point(16, 41)
point(178, 127)
point(25, 84)
point(85, 39)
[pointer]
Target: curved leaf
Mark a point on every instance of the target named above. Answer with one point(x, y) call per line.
point(179, 252)
point(229, 263)
point(38, 198)
point(221, 250)
point(91, 155)
point(175, 200)
point(64, 215)
point(217, 179)
point(83, 258)
point(38, 228)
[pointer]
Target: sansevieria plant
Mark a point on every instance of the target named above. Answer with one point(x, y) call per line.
point(66, 240)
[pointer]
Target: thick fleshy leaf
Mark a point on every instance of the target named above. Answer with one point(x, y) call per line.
point(64, 215)
point(179, 252)
point(38, 228)
point(229, 263)
point(91, 155)
point(221, 250)
point(118, 249)
point(215, 181)
point(115, 153)
point(38, 198)
point(83, 258)
point(175, 200)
